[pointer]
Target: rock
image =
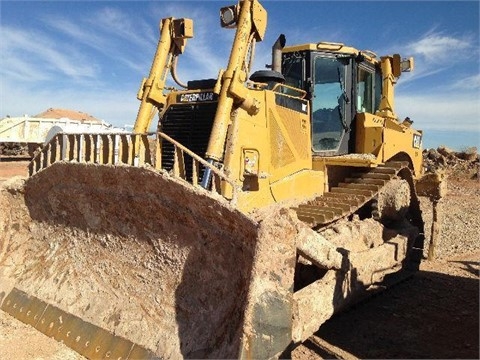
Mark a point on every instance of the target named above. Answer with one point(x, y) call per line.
point(469, 154)
point(13, 149)
point(433, 154)
point(445, 151)
point(463, 164)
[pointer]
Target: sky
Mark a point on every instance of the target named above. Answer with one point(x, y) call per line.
point(90, 56)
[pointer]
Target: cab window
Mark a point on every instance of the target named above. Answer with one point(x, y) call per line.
point(365, 92)
point(378, 89)
point(328, 103)
point(294, 70)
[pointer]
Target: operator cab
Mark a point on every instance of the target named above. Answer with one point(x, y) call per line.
point(340, 82)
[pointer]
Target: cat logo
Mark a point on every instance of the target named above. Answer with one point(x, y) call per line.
point(197, 97)
point(417, 141)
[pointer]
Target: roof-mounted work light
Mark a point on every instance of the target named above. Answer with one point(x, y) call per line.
point(229, 16)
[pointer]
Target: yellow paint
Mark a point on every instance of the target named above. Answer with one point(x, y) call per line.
point(261, 136)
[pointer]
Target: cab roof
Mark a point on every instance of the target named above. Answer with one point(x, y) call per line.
point(333, 47)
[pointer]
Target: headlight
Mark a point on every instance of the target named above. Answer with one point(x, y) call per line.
point(228, 16)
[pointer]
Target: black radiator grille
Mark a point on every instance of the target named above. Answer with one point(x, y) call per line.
point(190, 125)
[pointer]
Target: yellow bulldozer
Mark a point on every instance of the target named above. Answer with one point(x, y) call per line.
point(263, 203)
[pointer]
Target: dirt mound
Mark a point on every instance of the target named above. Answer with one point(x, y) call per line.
point(463, 164)
point(65, 113)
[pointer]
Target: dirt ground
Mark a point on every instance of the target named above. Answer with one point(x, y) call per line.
point(12, 167)
point(435, 314)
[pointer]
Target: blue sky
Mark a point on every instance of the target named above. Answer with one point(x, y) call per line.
point(91, 55)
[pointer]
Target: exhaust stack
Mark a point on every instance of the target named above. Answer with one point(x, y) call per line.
point(277, 53)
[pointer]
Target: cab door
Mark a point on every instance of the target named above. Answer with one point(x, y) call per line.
point(331, 104)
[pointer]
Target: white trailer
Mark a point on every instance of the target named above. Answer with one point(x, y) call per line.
point(34, 131)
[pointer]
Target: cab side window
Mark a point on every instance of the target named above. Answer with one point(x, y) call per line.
point(294, 70)
point(365, 91)
point(378, 89)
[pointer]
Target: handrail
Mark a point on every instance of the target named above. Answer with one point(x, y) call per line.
point(119, 149)
point(179, 166)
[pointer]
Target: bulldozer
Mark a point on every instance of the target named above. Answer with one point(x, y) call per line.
point(262, 204)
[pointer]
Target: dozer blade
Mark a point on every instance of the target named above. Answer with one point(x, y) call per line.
point(123, 262)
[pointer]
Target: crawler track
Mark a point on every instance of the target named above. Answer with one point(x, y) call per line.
point(356, 191)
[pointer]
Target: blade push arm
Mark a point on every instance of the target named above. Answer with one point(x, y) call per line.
point(250, 20)
point(173, 38)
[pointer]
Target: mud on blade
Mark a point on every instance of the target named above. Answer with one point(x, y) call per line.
point(134, 252)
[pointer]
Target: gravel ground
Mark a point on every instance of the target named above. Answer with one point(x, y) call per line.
point(461, 223)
